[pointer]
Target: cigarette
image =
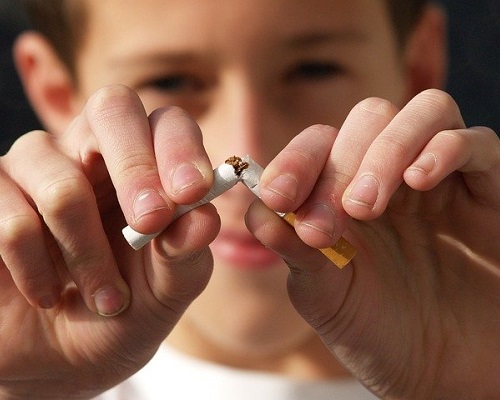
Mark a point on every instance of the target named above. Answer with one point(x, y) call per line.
point(225, 177)
point(340, 254)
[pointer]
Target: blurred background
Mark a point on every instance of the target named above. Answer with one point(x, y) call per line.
point(474, 77)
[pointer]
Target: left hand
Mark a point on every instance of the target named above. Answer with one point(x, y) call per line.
point(415, 315)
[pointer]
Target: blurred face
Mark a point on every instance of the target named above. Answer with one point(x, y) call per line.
point(253, 73)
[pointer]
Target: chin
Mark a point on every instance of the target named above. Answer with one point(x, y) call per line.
point(246, 314)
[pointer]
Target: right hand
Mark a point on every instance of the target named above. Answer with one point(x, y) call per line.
point(65, 268)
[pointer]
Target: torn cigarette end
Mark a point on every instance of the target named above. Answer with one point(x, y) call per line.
point(238, 164)
point(340, 254)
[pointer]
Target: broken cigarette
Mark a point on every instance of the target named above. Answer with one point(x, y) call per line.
point(225, 177)
point(341, 253)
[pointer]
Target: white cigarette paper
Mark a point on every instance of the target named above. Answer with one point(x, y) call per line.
point(250, 176)
point(224, 179)
point(340, 254)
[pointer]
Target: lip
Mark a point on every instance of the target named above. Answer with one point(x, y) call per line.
point(242, 251)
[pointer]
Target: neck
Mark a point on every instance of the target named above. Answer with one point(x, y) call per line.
point(309, 360)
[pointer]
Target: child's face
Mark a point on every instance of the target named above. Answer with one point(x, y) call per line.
point(253, 73)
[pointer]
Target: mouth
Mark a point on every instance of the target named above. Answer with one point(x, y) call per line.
point(241, 250)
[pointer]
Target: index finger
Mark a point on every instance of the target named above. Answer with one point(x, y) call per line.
point(146, 188)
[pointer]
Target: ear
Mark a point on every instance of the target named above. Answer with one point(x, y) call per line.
point(47, 81)
point(426, 53)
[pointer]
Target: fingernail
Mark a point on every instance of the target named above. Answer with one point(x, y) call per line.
point(109, 301)
point(48, 301)
point(425, 163)
point(365, 192)
point(146, 202)
point(321, 218)
point(284, 185)
point(185, 176)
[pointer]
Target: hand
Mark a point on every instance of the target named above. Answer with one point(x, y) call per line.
point(66, 269)
point(416, 314)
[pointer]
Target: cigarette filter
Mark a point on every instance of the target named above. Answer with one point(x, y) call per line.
point(225, 178)
point(341, 253)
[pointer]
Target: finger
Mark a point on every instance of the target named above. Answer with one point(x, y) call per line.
point(321, 219)
point(23, 248)
point(395, 149)
point(306, 264)
point(277, 235)
point(320, 228)
point(182, 262)
point(475, 152)
point(67, 204)
point(185, 169)
point(316, 290)
point(288, 180)
point(117, 119)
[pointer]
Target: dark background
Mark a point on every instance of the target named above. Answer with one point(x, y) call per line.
point(474, 77)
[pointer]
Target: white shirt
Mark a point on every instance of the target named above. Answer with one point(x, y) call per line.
point(173, 375)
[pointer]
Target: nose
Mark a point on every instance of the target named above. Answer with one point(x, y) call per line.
point(241, 120)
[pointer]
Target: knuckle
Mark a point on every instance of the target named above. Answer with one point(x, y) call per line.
point(65, 196)
point(456, 136)
point(173, 111)
point(17, 230)
point(193, 258)
point(490, 136)
point(322, 129)
point(378, 107)
point(337, 178)
point(439, 102)
point(174, 124)
point(111, 102)
point(394, 146)
point(306, 157)
point(35, 277)
point(29, 141)
point(86, 263)
point(136, 164)
point(311, 146)
point(192, 273)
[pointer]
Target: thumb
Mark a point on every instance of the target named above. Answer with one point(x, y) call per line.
point(178, 263)
point(316, 287)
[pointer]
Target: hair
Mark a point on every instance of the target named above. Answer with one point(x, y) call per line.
point(404, 15)
point(63, 22)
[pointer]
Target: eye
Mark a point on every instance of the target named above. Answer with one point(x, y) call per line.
point(314, 71)
point(178, 84)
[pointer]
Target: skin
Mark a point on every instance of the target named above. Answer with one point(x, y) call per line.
point(421, 280)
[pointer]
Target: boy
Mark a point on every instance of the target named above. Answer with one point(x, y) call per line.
point(413, 316)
